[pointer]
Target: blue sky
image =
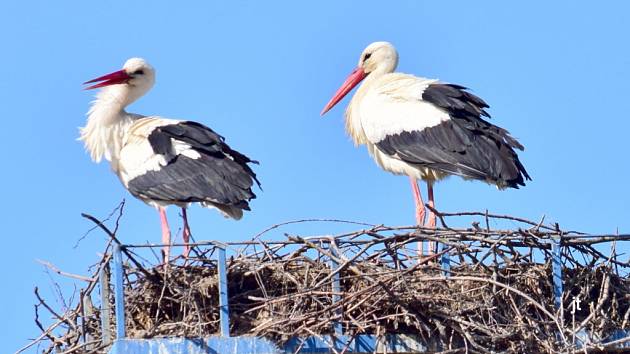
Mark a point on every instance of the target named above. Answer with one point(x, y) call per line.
point(554, 73)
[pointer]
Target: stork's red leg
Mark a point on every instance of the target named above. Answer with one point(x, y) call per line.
point(186, 233)
point(166, 236)
point(432, 218)
point(417, 197)
point(420, 212)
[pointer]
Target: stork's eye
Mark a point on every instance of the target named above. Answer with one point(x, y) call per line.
point(367, 56)
point(138, 72)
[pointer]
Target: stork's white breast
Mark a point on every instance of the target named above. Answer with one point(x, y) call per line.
point(395, 106)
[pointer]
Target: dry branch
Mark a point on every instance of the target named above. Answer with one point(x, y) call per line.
point(497, 297)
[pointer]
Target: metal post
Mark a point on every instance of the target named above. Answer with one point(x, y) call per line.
point(556, 266)
point(336, 287)
point(446, 261)
point(119, 293)
point(224, 310)
point(86, 312)
point(106, 311)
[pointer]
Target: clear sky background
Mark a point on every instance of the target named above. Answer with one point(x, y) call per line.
point(555, 74)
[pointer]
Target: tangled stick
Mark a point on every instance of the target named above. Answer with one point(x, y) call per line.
point(496, 296)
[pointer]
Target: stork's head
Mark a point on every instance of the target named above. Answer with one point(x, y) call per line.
point(377, 59)
point(132, 81)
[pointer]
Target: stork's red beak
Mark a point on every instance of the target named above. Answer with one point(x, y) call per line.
point(117, 77)
point(353, 79)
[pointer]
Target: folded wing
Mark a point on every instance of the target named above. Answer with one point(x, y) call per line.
point(177, 162)
point(440, 126)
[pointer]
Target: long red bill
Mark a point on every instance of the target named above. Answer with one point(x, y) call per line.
point(117, 77)
point(353, 79)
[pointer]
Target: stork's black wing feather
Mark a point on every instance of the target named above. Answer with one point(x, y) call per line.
point(466, 145)
point(466, 110)
point(219, 174)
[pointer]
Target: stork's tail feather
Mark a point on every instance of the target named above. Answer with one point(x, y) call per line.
point(228, 211)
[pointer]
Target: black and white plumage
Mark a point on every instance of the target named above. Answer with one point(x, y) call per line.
point(164, 161)
point(424, 128)
point(194, 165)
point(465, 145)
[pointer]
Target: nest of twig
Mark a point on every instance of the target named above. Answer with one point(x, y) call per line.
point(497, 295)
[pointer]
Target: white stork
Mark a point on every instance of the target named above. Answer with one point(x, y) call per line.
point(164, 161)
point(424, 128)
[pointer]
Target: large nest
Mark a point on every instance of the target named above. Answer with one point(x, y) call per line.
point(497, 295)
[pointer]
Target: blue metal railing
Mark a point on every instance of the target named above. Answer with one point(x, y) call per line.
point(119, 296)
point(556, 268)
point(336, 287)
point(360, 343)
point(445, 261)
point(224, 311)
point(119, 292)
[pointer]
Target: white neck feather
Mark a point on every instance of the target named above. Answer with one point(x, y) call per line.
point(107, 123)
point(383, 61)
point(354, 128)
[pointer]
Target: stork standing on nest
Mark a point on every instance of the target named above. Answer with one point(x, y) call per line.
point(424, 128)
point(164, 161)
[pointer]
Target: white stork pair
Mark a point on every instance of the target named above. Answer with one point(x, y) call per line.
point(418, 127)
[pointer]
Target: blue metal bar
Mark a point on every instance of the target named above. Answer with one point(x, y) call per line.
point(205, 345)
point(446, 261)
point(361, 343)
point(105, 309)
point(119, 294)
point(556, 267)
point(336, 287)
point(224, 310)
